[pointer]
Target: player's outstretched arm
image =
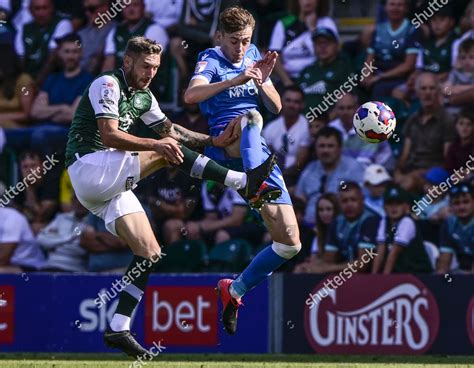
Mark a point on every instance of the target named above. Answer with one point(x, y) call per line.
point(200, 89)
point(193, 139)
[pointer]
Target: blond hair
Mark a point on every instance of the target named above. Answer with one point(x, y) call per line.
point(235, 19)
point(141, 45)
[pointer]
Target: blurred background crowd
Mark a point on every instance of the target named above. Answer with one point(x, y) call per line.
point(348, 195)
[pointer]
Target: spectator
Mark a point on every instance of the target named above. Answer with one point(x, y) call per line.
point(191, 118)
point(39, 200)
point(289, 133)
point(196, 31)
point(457, 231)
point(16, 90)
point(19, 251)
point(463, 144)
point(436, 56)
point(6, 32)
point(61, 239)
point(427, 136)
point(59, 98)
point(225, 212)
point(165, 13)
point(94, 34)
point(306, 154)
point(393, 50)
point(376, 180)
point(291, 37)
point(469, 34)
point(436, 205)
point(172, 197)
point(353, 146)
point(134, 24)
point(327, 74)
point(400, 233)
point(328, 173)
point(462, 80)
point(327, 208)
point(351, 235)
point(35, 41)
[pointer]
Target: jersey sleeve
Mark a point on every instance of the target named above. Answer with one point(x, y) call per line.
point(206, 68)
point(104, 96)
point(445, 242)
point(154, 116)
point(368, 233)
point(11, 229)
point(405, 233)
point(331, 242)
point(381, 232)
point(413, 45)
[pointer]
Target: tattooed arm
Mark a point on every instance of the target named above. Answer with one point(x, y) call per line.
point(193, 139)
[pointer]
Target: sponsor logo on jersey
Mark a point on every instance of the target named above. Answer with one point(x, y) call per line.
point(398, 315)
point(201, 65)
point(129, 183)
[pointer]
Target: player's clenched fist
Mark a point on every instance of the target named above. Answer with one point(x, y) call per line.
point(169, 149)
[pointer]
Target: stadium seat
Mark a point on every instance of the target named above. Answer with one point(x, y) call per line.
point(230, 256)
point(183, 256)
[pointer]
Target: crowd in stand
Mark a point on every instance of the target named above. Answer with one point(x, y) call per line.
point(411, 197)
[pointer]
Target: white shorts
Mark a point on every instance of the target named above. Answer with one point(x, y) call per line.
point(103, 181)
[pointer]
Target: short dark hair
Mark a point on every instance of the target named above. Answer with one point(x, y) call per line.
point(69, 38)
point(235, 19)
point(294, 88)
point(141, 45)
point(330, 132)
point(466, 113)
point(467, 45)
point(29, 154)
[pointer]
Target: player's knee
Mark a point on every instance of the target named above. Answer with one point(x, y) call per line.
point(251, 119)
point(286, 251)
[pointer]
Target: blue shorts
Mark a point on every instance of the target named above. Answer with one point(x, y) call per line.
point(275, 179)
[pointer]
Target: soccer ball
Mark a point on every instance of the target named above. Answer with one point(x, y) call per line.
point(374, 122)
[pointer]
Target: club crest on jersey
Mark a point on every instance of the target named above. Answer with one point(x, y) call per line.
point(201, 65)
point(138, 102)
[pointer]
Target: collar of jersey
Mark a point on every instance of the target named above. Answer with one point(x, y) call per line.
point(399, 30)
point(129, 89)
point(219, 52)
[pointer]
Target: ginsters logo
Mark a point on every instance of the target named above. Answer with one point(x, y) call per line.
point(392, 315)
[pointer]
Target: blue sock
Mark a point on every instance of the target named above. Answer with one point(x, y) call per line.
point(261, 267)
point(251, 146)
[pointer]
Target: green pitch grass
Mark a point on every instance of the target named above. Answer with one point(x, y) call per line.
point(232, 361)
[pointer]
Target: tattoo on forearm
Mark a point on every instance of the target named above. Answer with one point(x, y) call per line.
point(185, 136)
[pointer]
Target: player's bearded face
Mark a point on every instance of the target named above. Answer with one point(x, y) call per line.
point(235, 45)
point(141, 70)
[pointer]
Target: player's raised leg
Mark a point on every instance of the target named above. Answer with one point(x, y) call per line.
point(281, 222)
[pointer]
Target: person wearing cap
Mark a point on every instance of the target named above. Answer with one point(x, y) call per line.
point(59, 96)
point(434, 205)
point(436, 52)
point(400, 246)
point(376, 179)
point(328, 73)
point(457, 231)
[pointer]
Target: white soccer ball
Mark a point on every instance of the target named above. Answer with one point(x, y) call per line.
point(374, 122)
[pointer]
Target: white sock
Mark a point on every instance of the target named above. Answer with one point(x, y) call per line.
point(235, 179)
point(120, 323)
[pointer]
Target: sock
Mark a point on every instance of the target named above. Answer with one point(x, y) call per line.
point(261, 267)
point(251, 146)
point(131, 295)
point(202, 167)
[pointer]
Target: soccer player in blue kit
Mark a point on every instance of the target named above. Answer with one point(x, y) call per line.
point(227, 83)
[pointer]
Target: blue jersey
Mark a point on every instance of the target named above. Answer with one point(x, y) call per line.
point(227, 105)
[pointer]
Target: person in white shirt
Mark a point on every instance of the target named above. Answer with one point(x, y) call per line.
point(165, 12)
point(289, 133)
point(291, 38)
point(468, 34)
point(19, 251)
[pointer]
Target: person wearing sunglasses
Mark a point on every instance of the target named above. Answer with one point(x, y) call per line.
point(457, 232)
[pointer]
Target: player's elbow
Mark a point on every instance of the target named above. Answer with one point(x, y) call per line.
point(190, 97)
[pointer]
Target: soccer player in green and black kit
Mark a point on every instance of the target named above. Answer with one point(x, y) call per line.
point(105, 162)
